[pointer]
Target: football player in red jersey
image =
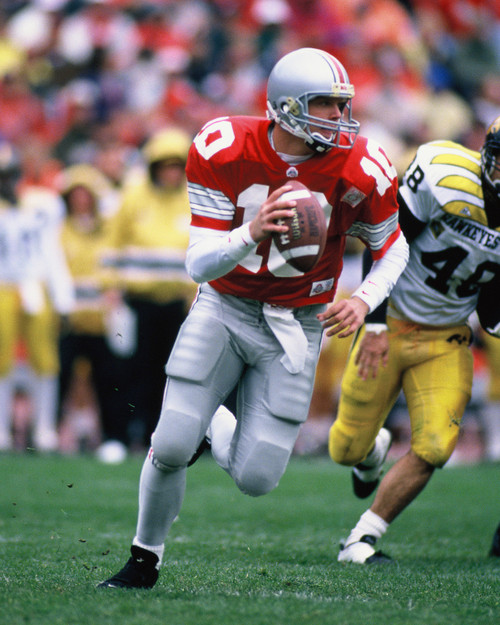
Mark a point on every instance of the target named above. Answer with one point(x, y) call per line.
point(257, 322)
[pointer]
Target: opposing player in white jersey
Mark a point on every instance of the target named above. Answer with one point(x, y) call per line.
point(450, 214)
point(257, 322)
point(35, 286)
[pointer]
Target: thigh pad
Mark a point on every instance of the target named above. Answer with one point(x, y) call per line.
point(199, 346)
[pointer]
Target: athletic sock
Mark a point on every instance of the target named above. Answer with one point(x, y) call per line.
point(6, 409)
point(490, 421)
point(369, 524)
point(157, 550)
point(160, 498)
point(45, 407)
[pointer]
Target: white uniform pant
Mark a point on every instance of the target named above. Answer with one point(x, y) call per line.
point(224, 342)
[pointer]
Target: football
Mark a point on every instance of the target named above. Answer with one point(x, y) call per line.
point(304, 243)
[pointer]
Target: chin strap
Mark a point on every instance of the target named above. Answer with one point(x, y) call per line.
point(317, 146)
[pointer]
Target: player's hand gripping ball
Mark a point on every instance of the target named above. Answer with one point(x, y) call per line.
point(304, 243)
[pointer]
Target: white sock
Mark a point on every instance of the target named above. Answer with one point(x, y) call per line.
point(160, 499)
point(6, 406)
point(221, 433)
point(157, 550)
point(490, 421)
point(369, 524)
point(45, 410)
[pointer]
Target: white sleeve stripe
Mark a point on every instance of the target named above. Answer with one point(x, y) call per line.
point(210, 203)
point(213, 212)
point(198, 188)
point(375, 235)
point(387, 223)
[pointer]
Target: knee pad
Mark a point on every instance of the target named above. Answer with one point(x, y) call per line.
point(436, 451)
point(175, 439)
point(262, 469)
point(348, 450)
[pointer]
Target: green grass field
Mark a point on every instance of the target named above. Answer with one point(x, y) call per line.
point(66, 524)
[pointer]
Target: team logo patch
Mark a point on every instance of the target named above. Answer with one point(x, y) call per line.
point(353, 196)
point(291, 172)
point(321, 287)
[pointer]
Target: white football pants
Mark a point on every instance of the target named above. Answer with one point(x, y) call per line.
point(224, 342)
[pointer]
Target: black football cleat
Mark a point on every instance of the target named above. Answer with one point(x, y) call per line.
point(139, 572)
point(363, 552)
point(379, 557)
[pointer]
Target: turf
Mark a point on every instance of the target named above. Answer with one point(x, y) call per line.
point(66, 524)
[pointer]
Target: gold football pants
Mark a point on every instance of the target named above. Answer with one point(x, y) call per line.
point(39, 332)
point(433, 367)
point(492, 347)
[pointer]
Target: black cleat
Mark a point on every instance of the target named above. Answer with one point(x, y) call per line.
point(204, 445)
point(379, 557)
point(495, 545)
point(139, 572)
point(362, 489)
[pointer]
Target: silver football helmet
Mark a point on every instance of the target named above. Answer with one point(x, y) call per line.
point(299, 77)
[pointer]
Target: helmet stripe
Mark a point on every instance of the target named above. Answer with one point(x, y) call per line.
point(338, 70)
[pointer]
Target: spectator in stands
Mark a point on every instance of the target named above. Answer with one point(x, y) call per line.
point(149, 238)
point(85, 236)
point(35, 287)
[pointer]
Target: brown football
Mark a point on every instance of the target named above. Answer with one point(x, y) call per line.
point(304, 243)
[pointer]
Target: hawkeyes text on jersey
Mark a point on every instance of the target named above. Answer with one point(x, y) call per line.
point(457, 252)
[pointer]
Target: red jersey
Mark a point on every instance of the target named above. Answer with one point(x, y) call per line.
point(232, 168)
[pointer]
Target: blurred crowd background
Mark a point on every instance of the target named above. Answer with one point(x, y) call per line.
point(93, 82)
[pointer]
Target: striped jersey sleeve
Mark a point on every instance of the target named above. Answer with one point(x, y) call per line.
point(210, 208)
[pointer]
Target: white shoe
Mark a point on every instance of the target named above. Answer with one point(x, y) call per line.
point(111, 452)
point(6, 443)
point(220, 433)
point(217, 437)
point(46, 441)
point(362, 552)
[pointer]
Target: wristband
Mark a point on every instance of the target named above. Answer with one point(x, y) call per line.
point(376, 328)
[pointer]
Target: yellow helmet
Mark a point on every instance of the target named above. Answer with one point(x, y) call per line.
point(83, 175)
point(169, 143)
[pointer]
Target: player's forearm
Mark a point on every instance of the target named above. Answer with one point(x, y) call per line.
point(384, 274)
point(210, 257)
